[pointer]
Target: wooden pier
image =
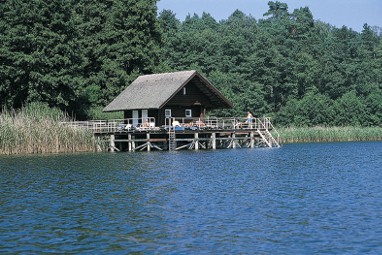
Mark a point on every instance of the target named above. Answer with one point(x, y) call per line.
point(183, 133)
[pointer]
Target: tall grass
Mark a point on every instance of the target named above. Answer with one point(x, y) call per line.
point(329, 134)
point(37, 128)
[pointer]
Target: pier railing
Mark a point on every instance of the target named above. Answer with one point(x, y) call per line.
point(114, 125)
point(148, 123)
point(220, 122)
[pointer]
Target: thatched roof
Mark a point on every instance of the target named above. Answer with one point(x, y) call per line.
point(155, 90)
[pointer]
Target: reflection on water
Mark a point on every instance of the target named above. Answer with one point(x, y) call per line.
point(299, 199)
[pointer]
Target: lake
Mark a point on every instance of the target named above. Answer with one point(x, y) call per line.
point(314, 198)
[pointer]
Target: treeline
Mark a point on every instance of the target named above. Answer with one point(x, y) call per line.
point(300, 71)
point(78, 55)
point(74, 54)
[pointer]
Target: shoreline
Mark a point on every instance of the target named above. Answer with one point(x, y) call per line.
point(290, 135)
point(329, 134)
point(38, 129)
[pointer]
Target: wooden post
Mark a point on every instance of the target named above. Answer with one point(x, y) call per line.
point(148, 141)
point(196, 137)
point(133, 143)
point(112, 143)
point(252, 140)
point(213, 138)
point(130, 142)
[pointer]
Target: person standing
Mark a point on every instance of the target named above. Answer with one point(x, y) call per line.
point(249, 119)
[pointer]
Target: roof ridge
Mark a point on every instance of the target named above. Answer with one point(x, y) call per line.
point(168, 73)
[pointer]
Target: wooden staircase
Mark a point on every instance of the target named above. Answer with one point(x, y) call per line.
point(266, 136)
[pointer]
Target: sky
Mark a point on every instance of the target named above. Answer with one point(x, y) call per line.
point(351, 13)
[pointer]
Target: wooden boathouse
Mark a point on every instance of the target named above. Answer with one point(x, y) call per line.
point(157, 97)
point(169, 111)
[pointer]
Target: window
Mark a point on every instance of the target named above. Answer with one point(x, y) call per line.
point(188, 113)
point(167, 113)
point(135, 118)
point(184, 91)
point(144, 116)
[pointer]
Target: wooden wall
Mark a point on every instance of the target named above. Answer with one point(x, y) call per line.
point(192, 97)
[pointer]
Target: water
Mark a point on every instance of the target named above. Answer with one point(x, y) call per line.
point(299, 199)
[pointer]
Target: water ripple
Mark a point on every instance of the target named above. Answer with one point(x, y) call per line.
point(299, 199)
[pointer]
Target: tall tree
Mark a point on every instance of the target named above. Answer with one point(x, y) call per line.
point(120, 40)
point(74, 53)
point(169, 28)
point(277, 10)
point(196, 45)
point(39, 57)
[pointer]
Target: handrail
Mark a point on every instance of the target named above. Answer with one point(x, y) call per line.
point(113, 125)
point(210, 122)
point(273, 129)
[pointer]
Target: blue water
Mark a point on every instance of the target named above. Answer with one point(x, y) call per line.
point(322, 198)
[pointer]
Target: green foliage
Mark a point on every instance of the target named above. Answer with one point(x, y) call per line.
point(373, 104)
point(39, 56)
point(78, 55)
point(74, 54)
point(96, 113)
point(312, 110)
point(300, 71)
point(349, 110)
point(119, 40)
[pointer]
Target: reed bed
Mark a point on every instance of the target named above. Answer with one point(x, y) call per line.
point(329, 134)
point(39, 129)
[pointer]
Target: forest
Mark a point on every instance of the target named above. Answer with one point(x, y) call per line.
point(78, 55)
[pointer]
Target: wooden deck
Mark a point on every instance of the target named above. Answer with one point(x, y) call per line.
point(183, 133)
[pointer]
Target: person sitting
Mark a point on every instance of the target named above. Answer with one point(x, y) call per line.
point(175, 123)
point(189, 124)
point(146, 123)
point(238, 124)
point(128, 127)
point(200, 124)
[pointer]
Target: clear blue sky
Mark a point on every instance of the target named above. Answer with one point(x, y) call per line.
point(351, 13)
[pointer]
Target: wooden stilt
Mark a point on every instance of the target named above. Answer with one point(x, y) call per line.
point(148, 143)
point(156, 147)
point(233, 142)
point(192, 145)
point(202, 145)
point(213, 138)
point(141, 147)
point(133, 143)
point(230, 141)
point(112, 142)
point(196, 137)
point(184, 146)
point(252, 140)
point(129, 142)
